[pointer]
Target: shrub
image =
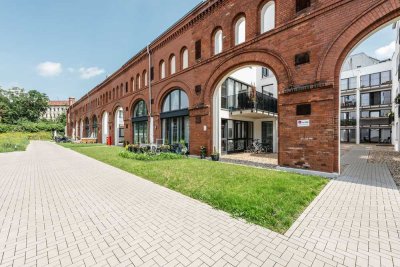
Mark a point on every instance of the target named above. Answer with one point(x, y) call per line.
point(148, 156)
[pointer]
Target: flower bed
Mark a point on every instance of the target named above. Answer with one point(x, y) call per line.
point(150, 156)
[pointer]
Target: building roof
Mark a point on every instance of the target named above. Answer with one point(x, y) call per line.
point(58, 103)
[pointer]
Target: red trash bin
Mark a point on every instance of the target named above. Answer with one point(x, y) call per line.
point(109, 140)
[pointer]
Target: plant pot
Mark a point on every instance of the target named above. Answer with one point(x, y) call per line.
point(202, 156)
point(215, 157)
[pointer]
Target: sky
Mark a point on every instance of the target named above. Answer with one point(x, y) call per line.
point(66, 47)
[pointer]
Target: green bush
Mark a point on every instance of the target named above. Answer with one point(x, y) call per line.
point(148, 156)
point(32, 127)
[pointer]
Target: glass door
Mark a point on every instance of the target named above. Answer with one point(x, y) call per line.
point(267, 135)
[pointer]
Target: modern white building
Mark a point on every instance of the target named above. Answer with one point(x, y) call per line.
point(57, 108)
point(366, 100)
point(396, 89)
point(247, 110)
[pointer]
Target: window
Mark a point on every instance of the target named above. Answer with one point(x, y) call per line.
point(268, 17)
point(138, 82)
point(197, 47)
point(240, 31)
point(376, 79)
point(303, 109)
point(172, 64)
point(139, 120)
point(353, 83)
point(348, 101)
point(348, 84)
point(145, 78)
point(94, 127)
point(364, 80)
point(302, 58)
point(376, 136)
point(386, 77)
point(175, 118)
point(348, 135)
point(218, 42)
point(264, 72)
point(162, 69)
point(185, 58)
point(376, 98)
point(302, 4)
point(176, 100)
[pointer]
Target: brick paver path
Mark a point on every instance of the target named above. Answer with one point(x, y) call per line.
point(58, 207)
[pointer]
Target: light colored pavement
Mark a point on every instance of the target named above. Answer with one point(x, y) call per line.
point(58, 207)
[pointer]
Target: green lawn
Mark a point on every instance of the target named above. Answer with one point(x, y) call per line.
point(268, 198)
point(16, 141)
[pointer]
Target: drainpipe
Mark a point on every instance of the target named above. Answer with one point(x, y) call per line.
point(151, 131)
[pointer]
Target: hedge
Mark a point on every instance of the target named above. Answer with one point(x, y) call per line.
point(32, 127)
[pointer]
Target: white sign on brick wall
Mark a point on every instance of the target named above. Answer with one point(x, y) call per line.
point(303, 123)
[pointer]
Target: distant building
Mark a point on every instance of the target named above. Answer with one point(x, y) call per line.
point(366, 100)
point(57, 108)
point(396, 89)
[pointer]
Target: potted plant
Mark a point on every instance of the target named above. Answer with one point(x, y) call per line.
point(397, 99)
point(215, 155)
point(391, 117)
point(203, 152)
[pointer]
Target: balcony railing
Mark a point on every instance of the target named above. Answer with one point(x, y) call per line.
point(249, 101)
point(349, 105)
point(384, 121)
point(349, 122)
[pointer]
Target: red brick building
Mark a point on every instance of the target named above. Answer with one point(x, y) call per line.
point(305, 47)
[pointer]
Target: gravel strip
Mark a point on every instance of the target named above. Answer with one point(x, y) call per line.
point(391, 159)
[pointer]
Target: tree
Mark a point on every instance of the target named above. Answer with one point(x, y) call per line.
point(62, 119)
point(26, 106)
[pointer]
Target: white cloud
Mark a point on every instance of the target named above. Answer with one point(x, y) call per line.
point(48, 69)
point(87, 73)
point(386, 51)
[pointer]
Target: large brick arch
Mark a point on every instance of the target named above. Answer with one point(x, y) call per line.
point(243, 58)
point(355, 32)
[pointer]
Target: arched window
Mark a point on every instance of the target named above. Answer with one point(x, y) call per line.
point(268, 17)
point(162, 69)
point(145, 79)
point(87, 128)
point(240, 31)
point(138, 82)
point(132, 84)
point(172, 64)
point(175, 118)
point(139, 120)
point(185, 58)
point(94, 127)
point(140, 109)
point(218, 42)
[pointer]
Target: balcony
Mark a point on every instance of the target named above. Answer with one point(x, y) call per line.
point(348, 104)
point(380, 121)
point(349, 122)
point(247, 101)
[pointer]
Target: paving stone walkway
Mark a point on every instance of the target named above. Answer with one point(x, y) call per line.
point(60, 208)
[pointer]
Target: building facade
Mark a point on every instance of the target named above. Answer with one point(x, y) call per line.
point(174, 81)
point(366, 100)
point(396, 89)
point(57, 108)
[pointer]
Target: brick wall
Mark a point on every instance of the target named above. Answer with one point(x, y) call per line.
point(327, 30)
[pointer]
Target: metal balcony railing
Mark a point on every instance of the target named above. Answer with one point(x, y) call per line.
point(384, 121)
point(349, 122)
point(349, 105)
point(249, 101)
